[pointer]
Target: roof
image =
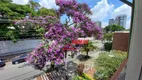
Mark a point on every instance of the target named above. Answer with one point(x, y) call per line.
point(121, 32)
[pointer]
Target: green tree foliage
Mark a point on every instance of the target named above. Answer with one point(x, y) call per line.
point(12, 34)
point(34, 5)
point(13, 11)
point(6, 1)
point(112, 28)
point(7, 32)
point(3, 29)
point(44, 12)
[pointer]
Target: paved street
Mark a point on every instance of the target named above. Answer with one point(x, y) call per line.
point(17, 72)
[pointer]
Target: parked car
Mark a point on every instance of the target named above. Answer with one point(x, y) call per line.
point(2, 63)
point(19, 59)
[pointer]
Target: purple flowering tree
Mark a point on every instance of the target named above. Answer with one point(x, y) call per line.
point(58, 35)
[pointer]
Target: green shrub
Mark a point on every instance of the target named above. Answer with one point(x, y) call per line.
point(107, 63)
point(82, 77)
point(75, 78)
point(108, 46)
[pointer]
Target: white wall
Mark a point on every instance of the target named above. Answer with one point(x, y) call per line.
point(9, 46)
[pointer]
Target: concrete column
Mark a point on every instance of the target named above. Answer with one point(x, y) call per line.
point(135, 52)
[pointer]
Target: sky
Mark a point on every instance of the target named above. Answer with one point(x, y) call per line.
point(102, 10)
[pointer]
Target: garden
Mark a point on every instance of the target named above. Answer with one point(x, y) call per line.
point(77, 49)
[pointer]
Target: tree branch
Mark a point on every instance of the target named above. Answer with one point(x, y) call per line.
point(70, 24)
point(69, 19)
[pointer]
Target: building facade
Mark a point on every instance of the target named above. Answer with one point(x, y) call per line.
point(99, 23)
point(111, 21)
point(121, 20)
